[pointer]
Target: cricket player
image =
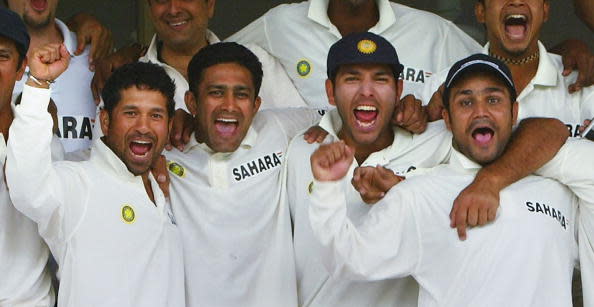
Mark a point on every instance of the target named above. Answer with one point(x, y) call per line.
point(25, 279)
point(362, 82)
point(105, 220)
point(226, 185)
point(526, 258)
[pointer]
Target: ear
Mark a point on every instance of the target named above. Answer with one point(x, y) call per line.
point(330, 92)
point(446, 118)
point(399, 88)
point(515, 108)
point(191, 103)
point(211, 8)
point(21, 70)
point(546, 9)
point(479, 11)
point(257, 103)
point(104, 120)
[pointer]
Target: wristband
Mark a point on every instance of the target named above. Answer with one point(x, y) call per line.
point(40, 82)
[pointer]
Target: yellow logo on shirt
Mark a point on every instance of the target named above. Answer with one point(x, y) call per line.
point(310, 187)
point(128, 214)
point(367, 46)
point(176, 168)
point(303, 68)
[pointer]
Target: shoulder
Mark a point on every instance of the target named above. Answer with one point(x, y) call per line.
point(418, 17)
point(289, 10)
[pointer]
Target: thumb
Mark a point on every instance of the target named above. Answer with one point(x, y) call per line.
point(568, 65)
point(80, 46)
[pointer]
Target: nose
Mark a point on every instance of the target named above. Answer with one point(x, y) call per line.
point(366, 87)
point(174, 7)
point(229, 103)
point(481, 109)
point(142, 124)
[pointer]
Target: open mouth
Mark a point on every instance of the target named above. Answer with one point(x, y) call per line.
point(483, 135)
point(39, 5)
point(177, 24)
point(140, 148)
point(226, 126)
point(365, 115)
point(516, 26)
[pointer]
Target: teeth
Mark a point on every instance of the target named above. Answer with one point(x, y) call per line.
point(178, 23)
point(141, 142)
point(366, 108)
point(227, 120)
point(516, 16)
point(366, 124)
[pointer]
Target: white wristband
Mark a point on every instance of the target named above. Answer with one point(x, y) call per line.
point(39, 81)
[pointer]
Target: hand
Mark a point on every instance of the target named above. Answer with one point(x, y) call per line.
point(159, 171)
point(577, 55)
point(584, 126)
point(90, 31)
point(183, 126)
point(49, 61)
point(331, 162)
point(476, 205)
point(315, 134)
point(106, 66)
point(374, 182)
point(435, 107)
point(411, 115)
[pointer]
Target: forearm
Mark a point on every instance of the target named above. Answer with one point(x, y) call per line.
point(584, 9)
point(534, 143)
point(568, 45)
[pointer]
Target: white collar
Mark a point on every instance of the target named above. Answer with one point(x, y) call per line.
point(546, 74)
point(69, 37)
point(2, 149)
point(107, 160)
point(318, 12)
point(462, 163)
point(332, 123)
point(152, 51)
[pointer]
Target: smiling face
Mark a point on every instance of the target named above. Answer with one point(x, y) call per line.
point(137, 128)
point(513, 26)
point(225, 106)
point(480, 116)
point(181, 23)
point(36, 14)
point(365, 96)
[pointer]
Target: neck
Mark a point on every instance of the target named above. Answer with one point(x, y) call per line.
point(523, 66)
point(180, 57)
point(363, 151)
point(6, 118)
point(49, 34)
point(349, 18)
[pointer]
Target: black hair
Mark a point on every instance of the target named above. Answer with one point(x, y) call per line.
point(473, 72)
point(220, 53)
point(19, 50)
point(143, 76)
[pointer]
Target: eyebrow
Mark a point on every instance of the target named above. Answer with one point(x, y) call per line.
point(235, 88)
point(487, 90)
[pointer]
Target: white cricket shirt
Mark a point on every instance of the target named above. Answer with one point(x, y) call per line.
point(25, 280)
point(73, 97)
point(525, 258)
point(546, 95)
point(316, 287)
point(114, 246)
point(236, 231)
point(299, 35)
point(276, 91)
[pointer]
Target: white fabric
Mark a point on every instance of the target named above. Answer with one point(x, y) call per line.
point(546, 95)
point(316, 287)
point(276, 91)
point(78, 208)
point(298, 32)
point(23, 254)
point(72, 96)
point(236, 230)
point(525, 258)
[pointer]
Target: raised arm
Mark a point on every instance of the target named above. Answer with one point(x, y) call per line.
point(34, 186)
point(385, 246)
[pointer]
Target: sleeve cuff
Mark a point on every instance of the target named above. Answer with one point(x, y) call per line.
point(34, 100)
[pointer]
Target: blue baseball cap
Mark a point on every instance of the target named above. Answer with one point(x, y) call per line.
point(362, 48)
point(13, 28)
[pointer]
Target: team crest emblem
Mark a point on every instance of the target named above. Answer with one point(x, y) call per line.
point(366, 46)
point(310, 187)
point(128, 214)
point(303, 68)
point(176, 168)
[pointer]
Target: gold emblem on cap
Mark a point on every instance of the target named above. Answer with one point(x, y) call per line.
point(367, 46)
point(128, 214)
